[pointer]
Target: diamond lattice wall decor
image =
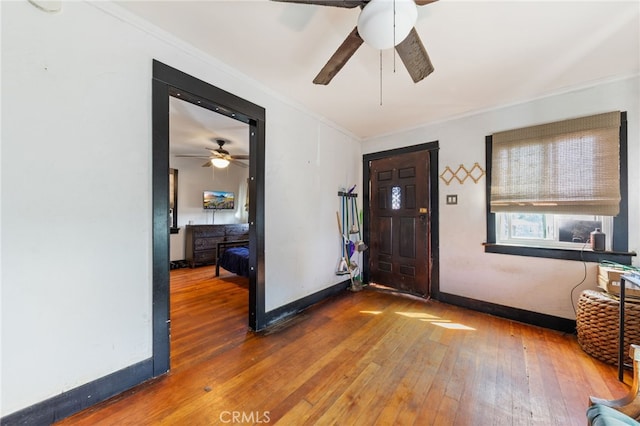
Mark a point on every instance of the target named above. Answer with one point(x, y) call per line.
point(462, 173)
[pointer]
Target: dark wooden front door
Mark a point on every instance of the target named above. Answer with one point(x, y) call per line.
point(399, 232)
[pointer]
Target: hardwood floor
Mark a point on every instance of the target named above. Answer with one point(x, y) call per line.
point(363, 358)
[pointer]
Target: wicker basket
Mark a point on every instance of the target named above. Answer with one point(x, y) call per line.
point(597, 318)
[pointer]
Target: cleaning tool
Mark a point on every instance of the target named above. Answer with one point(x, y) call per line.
point(354, 229)
point(350, 266)
point(360, 245)
point(343, 267)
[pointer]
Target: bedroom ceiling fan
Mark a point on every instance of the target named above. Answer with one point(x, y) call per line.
point(382, 24)
point(220, 157)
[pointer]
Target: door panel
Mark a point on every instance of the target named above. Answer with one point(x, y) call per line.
point(407, 243)
point(385, 237)
point(399, 232)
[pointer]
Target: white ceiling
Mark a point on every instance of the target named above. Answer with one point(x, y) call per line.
point(486, 54)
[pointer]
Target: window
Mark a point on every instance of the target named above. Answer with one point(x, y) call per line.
point(550, 186)
point(551, 230)
point(396, 198)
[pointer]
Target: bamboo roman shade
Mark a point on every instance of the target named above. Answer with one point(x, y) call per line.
point(566, 167)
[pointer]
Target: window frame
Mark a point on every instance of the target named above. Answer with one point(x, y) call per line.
point(620, 238)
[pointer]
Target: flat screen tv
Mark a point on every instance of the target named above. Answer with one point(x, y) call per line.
point(218, 200)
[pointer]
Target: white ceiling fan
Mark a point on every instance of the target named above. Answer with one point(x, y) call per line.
point(220, 157)
point(382, 24)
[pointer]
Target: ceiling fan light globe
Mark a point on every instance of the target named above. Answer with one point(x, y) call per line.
point(376, 22)
point(220, 163)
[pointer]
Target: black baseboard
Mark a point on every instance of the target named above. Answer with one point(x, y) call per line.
point(529, 317)
point(287, 311)
point(61, 406)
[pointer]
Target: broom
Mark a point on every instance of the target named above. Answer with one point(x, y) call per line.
point(356, 285)
point(343, 266)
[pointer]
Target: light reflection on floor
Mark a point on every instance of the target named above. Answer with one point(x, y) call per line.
point(428, 318)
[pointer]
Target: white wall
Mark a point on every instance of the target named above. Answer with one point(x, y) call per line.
point(76, 193)
point(539, 285)
point(193, 179)
point(301, 201)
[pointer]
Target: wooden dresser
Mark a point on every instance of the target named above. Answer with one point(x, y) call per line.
point(202, 240)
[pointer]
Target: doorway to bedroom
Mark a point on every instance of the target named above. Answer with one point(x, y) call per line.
point(209, 209)
point(170, 84)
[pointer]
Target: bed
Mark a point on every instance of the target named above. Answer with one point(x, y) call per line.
point(234, 257)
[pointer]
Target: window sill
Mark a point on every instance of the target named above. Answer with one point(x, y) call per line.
point(624, 258)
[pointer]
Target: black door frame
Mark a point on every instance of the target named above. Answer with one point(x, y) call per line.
point(168, 81)
point(433, 148)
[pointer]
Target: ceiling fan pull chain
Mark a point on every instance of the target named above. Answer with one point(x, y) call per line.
point(394, 22)
point(394, 61)
point(380, 77)
point(394, 36)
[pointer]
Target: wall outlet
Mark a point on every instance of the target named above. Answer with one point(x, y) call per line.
point(452, 199)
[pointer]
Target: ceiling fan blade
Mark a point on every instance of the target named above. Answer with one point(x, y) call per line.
point(218, 152)
point(337, 3)
point(239, 157)
point(424, 2)
point(414, 56)
point(207, 164)
point(339, 58)
point(239, 163)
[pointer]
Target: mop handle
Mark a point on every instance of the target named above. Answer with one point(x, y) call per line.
point(339, 225)
point(358, 222)
point(340, 232)
point(353, 210)
point(345, 227)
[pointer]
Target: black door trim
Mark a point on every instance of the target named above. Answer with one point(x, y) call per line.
point(168, 81)
point(433, 148)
